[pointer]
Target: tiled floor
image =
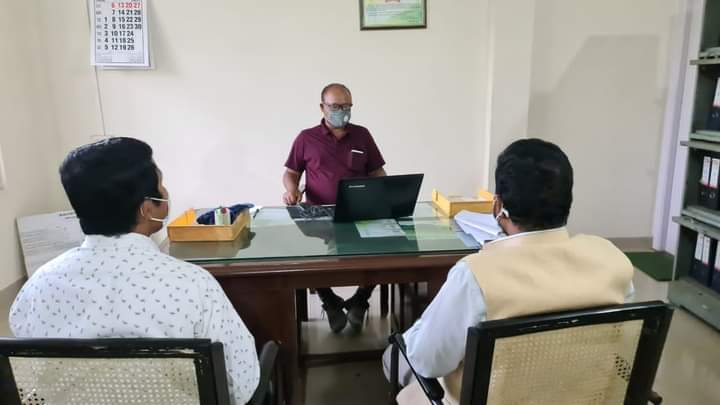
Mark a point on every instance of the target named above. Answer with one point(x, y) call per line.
point(689, 373)
point(318, 339)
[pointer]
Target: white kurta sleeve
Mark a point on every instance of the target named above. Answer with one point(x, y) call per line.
point(436, 342)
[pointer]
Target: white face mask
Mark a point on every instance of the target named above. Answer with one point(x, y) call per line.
point(163, 221)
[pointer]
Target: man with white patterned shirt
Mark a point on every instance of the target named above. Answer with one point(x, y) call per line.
point(118, 284)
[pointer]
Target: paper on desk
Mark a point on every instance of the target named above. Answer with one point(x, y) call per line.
point(44, 237)
point(423, 221)
point(379, 228)
point(269, 216)
point(482, 227)
point(424, 232)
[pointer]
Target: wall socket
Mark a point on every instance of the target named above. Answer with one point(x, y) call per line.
point(3, 179)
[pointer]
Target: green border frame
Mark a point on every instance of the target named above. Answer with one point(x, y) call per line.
point(391, 27)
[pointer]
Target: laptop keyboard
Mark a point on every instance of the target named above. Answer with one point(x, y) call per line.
point(307, 211)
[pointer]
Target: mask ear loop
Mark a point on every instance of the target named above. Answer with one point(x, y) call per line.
point(142, 212)
point(503, 213)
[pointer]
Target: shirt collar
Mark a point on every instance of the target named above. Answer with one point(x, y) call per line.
point(533, 237)
point(126, 240)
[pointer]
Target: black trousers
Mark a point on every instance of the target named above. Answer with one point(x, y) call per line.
point(328, 297)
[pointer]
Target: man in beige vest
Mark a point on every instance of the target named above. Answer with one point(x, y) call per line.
point(538, 267)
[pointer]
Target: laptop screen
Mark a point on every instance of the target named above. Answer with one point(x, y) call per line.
point(377, 197)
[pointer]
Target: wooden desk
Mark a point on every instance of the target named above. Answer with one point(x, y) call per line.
point(260, 275)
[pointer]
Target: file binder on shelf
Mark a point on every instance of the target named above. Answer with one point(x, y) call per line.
point(697, 265)
point(715, 281)
point(714, 118)
point(705, 266)
point(713, 202)
point(705, 181)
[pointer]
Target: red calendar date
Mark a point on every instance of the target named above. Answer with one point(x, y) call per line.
point(127, 5)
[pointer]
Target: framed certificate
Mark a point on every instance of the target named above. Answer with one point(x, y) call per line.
point(392, 14)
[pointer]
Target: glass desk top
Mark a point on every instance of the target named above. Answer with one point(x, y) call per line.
point(273, 235)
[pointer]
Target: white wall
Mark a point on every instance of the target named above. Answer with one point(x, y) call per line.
point(678, 129)
point(229, 95)
point(511, 31)
point(26, 136)
point(598, 90)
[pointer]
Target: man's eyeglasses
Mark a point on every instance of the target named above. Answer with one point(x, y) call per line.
point(338, 107)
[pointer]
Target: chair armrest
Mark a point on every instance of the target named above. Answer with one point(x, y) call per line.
point(655, 398)
point(430, 386)
point(267, 358)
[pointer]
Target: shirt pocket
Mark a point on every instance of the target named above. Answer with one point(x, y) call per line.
point(357, 160)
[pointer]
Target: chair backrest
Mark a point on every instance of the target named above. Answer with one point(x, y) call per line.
point(112, 371)
point(597, 356)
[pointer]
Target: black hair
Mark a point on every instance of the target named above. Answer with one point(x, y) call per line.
point(534, 179)
point(333, 86)
point(107, 182)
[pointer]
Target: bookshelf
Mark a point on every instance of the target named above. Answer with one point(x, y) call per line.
point(700, 215)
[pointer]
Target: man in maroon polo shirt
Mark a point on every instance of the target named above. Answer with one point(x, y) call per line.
point(327, 153)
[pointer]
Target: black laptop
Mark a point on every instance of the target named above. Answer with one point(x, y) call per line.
point(364, 198)
point(377, 197)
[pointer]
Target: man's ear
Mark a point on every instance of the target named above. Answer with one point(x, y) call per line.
point(144, 211)
point(496, 208)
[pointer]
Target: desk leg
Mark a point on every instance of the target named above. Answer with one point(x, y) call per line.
point(434, 285)
point(384, 296)
point(403, 308)
point(290, 342)
point(302, 304)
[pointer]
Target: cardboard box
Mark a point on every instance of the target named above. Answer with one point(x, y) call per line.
point(451, 205)
point(185, 229)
